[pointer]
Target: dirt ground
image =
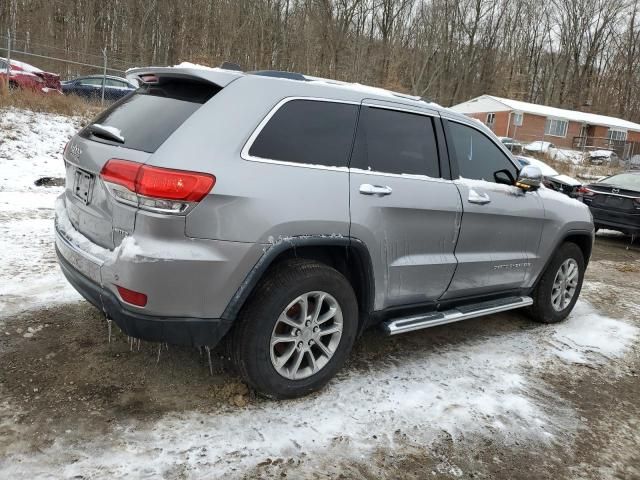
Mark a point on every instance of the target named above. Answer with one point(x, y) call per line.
point(61, 377)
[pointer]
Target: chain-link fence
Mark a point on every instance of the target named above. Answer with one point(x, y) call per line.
point(63, 61)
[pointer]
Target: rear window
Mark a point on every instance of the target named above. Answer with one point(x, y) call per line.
point(149, 116)
point(626, 181)
point(308, 131)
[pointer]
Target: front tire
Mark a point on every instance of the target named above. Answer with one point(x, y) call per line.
point(296, 330)
point(559, 288)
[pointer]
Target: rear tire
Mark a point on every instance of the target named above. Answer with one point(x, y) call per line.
point(296, 330)
point(559, 288)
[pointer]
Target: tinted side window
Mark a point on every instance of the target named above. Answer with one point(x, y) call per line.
point(112, 82)
point(478, 157)
point(396, 142)
point(308, 131)
point(91, 81)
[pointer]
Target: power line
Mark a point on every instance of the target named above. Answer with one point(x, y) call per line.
point(29, 42)
point(42, 45)
point(63, 60)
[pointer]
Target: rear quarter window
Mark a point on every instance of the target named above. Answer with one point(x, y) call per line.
point(149, 116)
point(308, 132)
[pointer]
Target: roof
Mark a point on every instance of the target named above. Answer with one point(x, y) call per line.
point(223, 77)
point(490, 103)
point(24, 66)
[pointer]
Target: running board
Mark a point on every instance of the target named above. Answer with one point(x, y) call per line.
point(433, 319)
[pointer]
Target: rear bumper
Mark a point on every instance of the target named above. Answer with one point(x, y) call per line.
point(174, 330)
point(625, 222)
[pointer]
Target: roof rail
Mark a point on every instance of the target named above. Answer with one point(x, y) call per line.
point(279, 74)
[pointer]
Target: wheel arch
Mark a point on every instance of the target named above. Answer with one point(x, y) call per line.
point(582, 238)
point(348, 255)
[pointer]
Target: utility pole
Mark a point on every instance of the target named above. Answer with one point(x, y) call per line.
point(104, 73)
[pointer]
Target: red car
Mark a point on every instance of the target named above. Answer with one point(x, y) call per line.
point(27, 76)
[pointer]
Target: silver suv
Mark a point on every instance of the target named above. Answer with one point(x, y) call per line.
point(288, 213)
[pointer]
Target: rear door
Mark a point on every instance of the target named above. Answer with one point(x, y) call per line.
point(501, 224)
point(403, 207)
point(132, 129)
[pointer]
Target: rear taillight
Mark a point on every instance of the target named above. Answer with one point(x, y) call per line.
point(154, 188)
point(149, 78)
point(586, 192)
point(130, 296)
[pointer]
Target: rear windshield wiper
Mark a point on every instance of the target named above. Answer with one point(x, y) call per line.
point(106, 132)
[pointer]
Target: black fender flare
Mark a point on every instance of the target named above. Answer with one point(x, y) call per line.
point(562, 239)
point(284, 244)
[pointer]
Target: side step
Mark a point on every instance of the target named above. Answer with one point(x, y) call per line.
point(433, 319)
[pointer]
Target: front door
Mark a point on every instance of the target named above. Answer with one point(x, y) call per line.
point(501, 224)
point(401, 207)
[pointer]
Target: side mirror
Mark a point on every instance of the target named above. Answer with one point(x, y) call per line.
point(530, 178)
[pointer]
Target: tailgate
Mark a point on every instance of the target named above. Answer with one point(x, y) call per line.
point(131, 129)
point(90, 207)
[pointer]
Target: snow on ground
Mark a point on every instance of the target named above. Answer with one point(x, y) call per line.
point(31, 147)
point(565, 155)
point(485, 386)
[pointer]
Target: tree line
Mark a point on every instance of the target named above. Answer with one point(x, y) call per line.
point(579, 54)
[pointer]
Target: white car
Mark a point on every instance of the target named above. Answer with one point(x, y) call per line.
point(600, 157)
point(539, 146)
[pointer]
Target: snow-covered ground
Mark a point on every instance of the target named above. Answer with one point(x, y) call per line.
point(487, 385)
point(566, 155)
point(31, 147)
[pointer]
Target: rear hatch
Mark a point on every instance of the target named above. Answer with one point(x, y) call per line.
point(612, 198)
point(131, 129)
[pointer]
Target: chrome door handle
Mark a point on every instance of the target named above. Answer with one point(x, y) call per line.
point(379, 190)
point(478, 198)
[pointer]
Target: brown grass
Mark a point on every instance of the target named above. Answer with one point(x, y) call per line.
point(583, 170)
point(69, 105)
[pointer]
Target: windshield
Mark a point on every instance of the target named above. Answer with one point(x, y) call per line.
point(626, 181)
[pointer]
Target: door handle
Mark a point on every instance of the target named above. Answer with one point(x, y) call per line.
point(379, 190)
point(478, 198)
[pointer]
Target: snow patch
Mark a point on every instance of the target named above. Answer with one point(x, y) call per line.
point(588, 337)
point(31, 145)
point(482, 385)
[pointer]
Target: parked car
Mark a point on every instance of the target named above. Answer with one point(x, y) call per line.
point(90, 87)
point(539, 146)
point(634, 162)
point(288, 214)
point(552, 179)
point(28, 77)
point(601, 157)
point(615, 202)
point(511, 144)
